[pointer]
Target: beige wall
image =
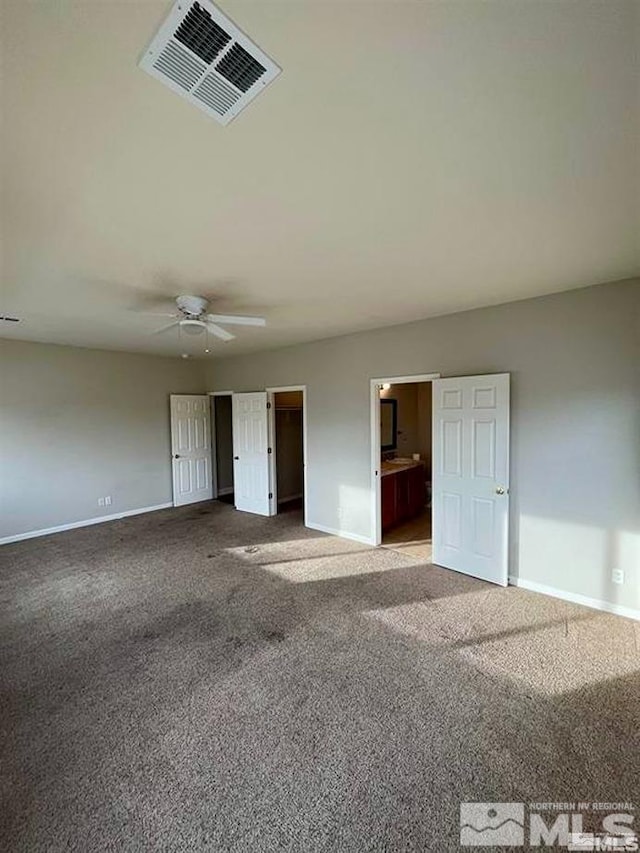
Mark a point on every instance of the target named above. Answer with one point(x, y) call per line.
point(79, 424)
point(575, 449)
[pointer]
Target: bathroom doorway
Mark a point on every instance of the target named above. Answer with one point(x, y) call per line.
point(402, 435)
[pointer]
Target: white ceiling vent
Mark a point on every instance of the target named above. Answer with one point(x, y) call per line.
point(200, 54)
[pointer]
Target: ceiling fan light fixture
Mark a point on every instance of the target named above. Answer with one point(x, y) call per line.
point(192, 327)
point(192, 304)
point(192, 320)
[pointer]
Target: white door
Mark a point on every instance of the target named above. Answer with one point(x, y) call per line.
point(470, 475)
point(251, 452)
point(191, 448)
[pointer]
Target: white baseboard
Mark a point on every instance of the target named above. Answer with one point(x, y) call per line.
point(344, 534)
point(289, 498)
point(32, 534)
point(576, 598)
point(226, 491)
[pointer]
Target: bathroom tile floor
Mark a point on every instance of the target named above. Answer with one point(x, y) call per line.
point(412, 538)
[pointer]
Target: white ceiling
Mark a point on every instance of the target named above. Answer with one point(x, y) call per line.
point(413, 159)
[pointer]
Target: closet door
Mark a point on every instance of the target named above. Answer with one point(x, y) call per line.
point(190, 448)
point(251, 453)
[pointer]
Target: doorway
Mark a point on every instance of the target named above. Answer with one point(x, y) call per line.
point(405, 413)
point(259, 449)
point(287, 427)
point(222, 444)
point(401, 460)
point(466, 478)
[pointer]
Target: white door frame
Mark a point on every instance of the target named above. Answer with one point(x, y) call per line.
point(376, 502)
point(273, 480)
point(214, 455)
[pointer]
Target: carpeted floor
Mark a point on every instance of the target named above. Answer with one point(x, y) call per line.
point(201, 679)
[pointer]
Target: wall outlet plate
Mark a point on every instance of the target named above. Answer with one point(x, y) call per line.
point(100, 501)
point(107, 500)
point(617, 576)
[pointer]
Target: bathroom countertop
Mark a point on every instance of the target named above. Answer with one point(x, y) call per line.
point(393, 468)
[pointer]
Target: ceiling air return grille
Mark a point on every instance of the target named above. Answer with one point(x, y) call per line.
point(200, 54)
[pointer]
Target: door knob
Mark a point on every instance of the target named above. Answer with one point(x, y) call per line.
point(236, 457)
point(176, 456)
point(499, 491)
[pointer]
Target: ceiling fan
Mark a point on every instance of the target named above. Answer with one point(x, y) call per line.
point(191, 318)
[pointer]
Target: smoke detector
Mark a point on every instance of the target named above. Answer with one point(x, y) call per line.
point(203, 57)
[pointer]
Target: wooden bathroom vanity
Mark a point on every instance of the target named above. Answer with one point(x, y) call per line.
point(403, 491)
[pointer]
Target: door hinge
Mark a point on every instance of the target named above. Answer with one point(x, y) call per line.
point(270, 495)
point(268, 450)
point(268, 405)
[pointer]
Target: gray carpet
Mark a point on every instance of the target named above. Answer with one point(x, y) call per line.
point(200, 679)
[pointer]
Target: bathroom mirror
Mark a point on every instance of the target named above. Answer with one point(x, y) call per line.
point(388, 424)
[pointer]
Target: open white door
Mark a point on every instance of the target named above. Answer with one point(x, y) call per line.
point(470, 476)
point(191, 448)
point(251, 452)
point(271, 441)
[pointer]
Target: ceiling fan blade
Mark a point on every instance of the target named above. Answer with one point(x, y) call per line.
point(166, 328)
point(236, 320)
point(219, 332)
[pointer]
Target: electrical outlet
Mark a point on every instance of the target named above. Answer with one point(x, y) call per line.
point(617, 576)
point(107, 500)
point(101, 502)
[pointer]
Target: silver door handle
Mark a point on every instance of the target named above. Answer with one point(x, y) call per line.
point(500, 491)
